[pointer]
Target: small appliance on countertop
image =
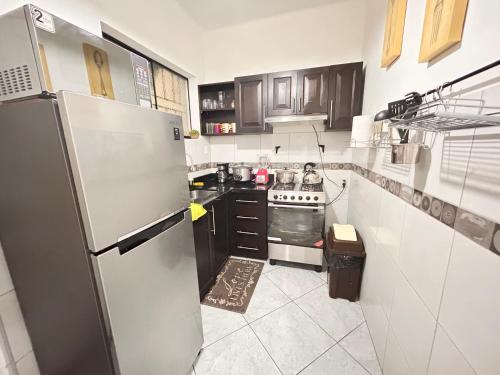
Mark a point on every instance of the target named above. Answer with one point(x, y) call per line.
point(262, 176)
point(222, 172)
point(242, 173)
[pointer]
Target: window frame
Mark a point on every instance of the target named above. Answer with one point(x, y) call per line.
point(118, 42)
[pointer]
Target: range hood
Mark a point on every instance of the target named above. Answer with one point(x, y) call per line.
point(295, 118)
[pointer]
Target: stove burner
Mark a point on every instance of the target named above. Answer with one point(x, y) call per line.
point(285, 187)
point(313, 187)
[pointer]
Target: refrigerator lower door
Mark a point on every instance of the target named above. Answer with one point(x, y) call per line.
point(152, 300)
point(128, 164)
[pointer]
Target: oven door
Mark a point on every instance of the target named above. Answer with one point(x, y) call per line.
point(297, 225)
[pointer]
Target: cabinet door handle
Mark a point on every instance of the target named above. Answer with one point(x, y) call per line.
point(300, 104)
point(331, 112)
point(247, 248)
point(293, 107)
point(247, 217)
point(247, 233)
point(245, 201)
point(213, 220)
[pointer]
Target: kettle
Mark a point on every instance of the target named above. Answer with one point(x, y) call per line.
point(311, 177)
point(222, 172)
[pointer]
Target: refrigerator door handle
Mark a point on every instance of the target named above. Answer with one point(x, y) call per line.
point(138, 239)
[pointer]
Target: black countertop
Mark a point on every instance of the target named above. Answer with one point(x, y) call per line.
point(211, 184)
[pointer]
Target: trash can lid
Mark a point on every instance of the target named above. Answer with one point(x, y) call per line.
point(343, 247)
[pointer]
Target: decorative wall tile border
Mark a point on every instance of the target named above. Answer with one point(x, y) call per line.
point(480, 230)
point(291, 165)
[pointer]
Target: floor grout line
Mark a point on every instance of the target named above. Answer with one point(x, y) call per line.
point(318, 357)
point(352, 355)
point(269, 354)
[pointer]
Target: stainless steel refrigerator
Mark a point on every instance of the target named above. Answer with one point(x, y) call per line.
point(97, 234)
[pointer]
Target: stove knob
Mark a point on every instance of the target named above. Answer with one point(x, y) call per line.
point(285, 197)
point(308, 198)
point(300, 197)
point(292, 197)
point(275, 196)
point(316, 198)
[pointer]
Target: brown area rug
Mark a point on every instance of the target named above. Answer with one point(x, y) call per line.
point(235, 285)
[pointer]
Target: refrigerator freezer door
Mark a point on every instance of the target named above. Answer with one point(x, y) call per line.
point(152, 299)
point(128, 164)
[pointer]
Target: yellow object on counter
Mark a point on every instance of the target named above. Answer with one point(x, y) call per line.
point(198, 184)
point(197, 211)
point(344, 232)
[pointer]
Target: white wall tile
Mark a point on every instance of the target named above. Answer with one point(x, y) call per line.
point(13, 322)
point(413, 325)
point(222, 149)
point(268, 142)
point(336, 213)
point(336, 146)
point(441, 170)
point(5, 280)
point(394, 361)
point(470, 311)
point(446, 358)
point(390, 224)
point(247, 148)
point(303, 147)
point(424, 254)
point(480, 194)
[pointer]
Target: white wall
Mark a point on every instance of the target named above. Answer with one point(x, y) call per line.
point(165, 29)
point(320, 36)
point(429, 293)
point(314, 37)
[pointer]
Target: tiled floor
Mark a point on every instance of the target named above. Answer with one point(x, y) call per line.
point(291, 326)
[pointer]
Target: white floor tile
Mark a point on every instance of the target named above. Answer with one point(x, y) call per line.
point(295, 282)
point(268, 267)
point(27, 365)
point(218, 323)
point(291, 338)
point(5, 280)
point(266, 298)
point(239, 353)
point(13, 322)
point(338, 317)
point(335, 361)
point(359, 345)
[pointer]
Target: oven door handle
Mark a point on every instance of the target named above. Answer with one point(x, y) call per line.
point(296, 206)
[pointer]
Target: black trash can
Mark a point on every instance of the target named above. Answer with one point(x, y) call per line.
point(345, 260)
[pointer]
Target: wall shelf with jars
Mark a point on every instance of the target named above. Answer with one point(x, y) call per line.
point(217, 113)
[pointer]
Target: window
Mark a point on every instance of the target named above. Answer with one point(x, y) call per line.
point(170, 89)
point(171, 92)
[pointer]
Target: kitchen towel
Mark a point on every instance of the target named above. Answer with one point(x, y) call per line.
point(197, 211)
point(362, 130)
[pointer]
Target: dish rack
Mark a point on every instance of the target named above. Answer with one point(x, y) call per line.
point(444, 114)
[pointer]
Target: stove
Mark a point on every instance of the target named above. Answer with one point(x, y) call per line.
point(297, 193)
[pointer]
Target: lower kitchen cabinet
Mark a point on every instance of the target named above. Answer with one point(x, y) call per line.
point(211, 243)
point(248, 224)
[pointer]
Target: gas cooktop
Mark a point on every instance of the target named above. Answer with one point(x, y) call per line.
point(297, 193)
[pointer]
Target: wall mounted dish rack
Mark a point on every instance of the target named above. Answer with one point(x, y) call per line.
point(435, 112)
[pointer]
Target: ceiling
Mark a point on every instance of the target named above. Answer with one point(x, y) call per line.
point(214, 14)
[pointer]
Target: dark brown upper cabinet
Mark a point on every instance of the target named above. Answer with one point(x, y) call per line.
point(345, 95)
point(281, 94)
point(312, 91)
point(251, 101)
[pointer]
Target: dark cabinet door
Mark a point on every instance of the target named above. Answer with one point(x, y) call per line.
point(345, 95)
point(281, 93)
point(204, 263)
point(219, 232)
point(251, 101)
point(312, 91)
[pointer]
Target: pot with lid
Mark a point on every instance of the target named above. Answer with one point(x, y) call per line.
point(285, 176)
point(242, 173)
point(311, 177)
